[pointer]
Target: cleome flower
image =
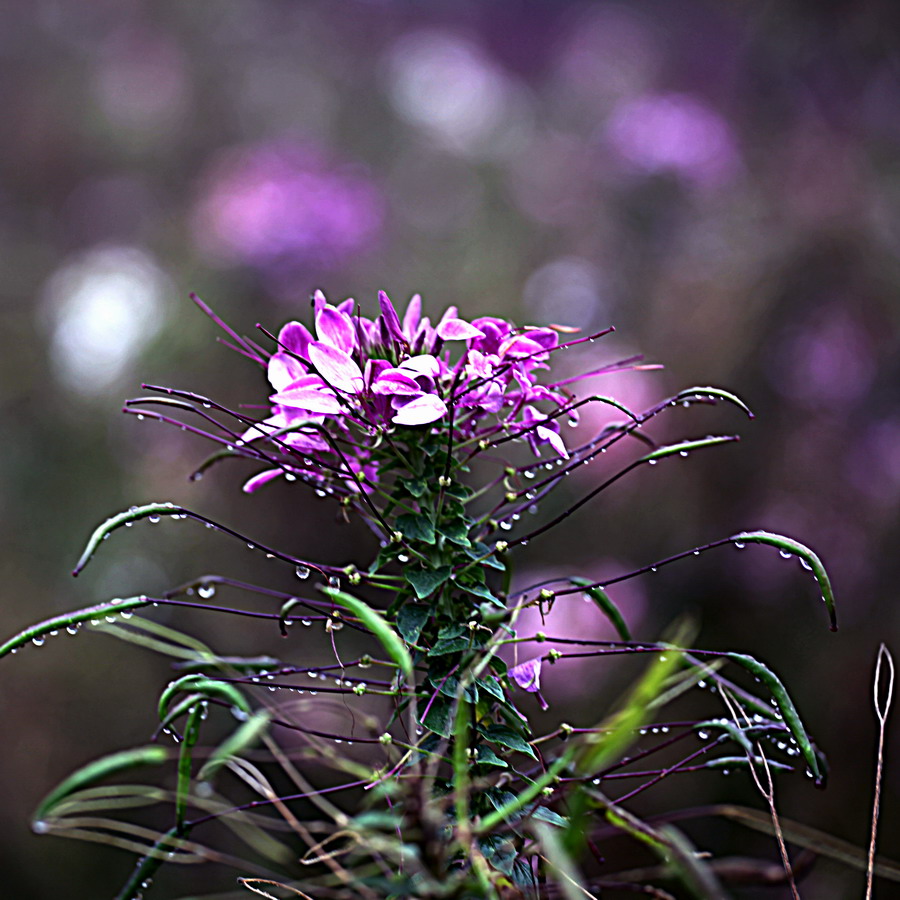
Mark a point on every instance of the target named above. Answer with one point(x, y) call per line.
point(353, 376)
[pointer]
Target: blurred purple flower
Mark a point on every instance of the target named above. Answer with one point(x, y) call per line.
point(281, 206)
point(674, 133)
point(527, 675)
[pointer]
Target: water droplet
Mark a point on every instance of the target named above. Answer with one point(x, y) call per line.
point(403, 557)
point(805, 564)
point(153, 519)
point(72, 629)
point(652, 462)
point(40, 827)
point(37, 641)
point(140, 417)
point(334, 581)
point(739, 545)
point(696, 553)
point(290, 476)
point(652, 568)
point(703, 735)
point(306, 622)
point(683, 453)
point(129, 524)
point(506, 526)
point(528, 473)
point(206, 591)
point(785, 554)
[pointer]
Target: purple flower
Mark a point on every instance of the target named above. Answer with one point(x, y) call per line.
point(527, 675)
point(353, 376)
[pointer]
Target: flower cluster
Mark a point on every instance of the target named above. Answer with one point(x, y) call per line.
point(386, 373)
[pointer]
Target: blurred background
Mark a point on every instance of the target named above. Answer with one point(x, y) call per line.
point(719, 181)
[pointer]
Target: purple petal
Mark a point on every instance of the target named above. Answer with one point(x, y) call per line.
point(284, 370)
point(411, 317)
point(257, 481)
point(335, 328)
point(336, 367)
point(553, 439)
point(421, 411)
point(424, 364)
point(527, 675)
point(389, 314)
point(393, 381)
point(457, 330)
point(310, 399)
point(295, 337)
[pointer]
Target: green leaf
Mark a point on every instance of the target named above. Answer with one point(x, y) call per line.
point(74, 618)
point(606, 606)
point(415, 527)
point(451, 645)
point(786, 707)
point(500, 852)
point(492, 686)
point(426, 581)
point(543, 814)
point(506, 737)
point(795, 548)
point(241, 739)
point(416, 486)
point(484, 756)
point(97, 770)
point(438, 717)
point(612, 736)
point(376, 623)
point(411, 620)
point(483, 554)
point(201, 684)
point(479, 590)
point(456, 530)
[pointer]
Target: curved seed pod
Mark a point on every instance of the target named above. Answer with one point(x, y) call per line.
point(795, 548)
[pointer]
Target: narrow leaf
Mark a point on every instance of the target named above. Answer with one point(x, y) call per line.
point(243, 737)
point(97, 770)
point(377, 624)
point(686, 447)
point(605, 605)
point(786, 707)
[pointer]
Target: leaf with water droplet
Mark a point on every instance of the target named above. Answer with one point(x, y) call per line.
point(89, 613)
point(202, 684)
point(117, 521)
point(716, 394)
point(687, 446)
point(785, 706)
point(795, 548)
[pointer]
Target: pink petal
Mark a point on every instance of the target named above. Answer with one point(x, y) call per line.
point(284, 370)
point(424, 364)
point(295, 337)
point(257, 481)
point(309, 399)
point(411, 316)
point(335, 328)
point(394, 381)
point(553, 439)
point(389, 315)
point(527, 675)
point(336, 367)
point(457, 330)
point(421, 411)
